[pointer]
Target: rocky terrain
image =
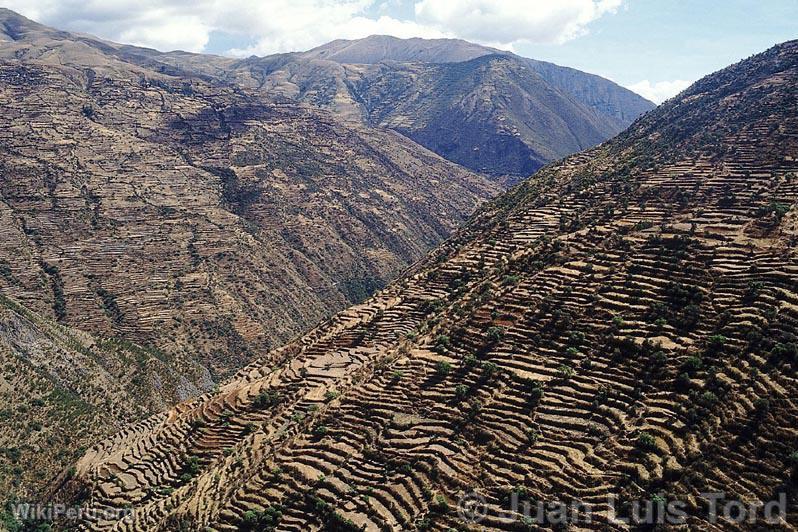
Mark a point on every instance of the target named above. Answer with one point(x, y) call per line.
point(491, 111)
point(623, 323)
point(197, 218)
point(161, 229)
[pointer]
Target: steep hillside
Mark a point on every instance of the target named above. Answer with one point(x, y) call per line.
point(492, 114)
point(491, 111)
point(623, 324)
point(195, 218)
point(61, 390)
point(606, 98)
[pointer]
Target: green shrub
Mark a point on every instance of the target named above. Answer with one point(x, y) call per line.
point(266, 520)
point(442, 343)
point(331, 395)
point(192, 465)
point(716, 342)
point(488, 369)
point(440, 504)
point(693, 364)
point(660, 359)
point(495, 334)
point(646, 442)
point(576, 338)
point(443, 368)
point(460, 391)
point(565, 371)
point(708, 399)
point(683, 381)
point(266, 399)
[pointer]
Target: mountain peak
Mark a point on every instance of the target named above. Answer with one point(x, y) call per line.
point(378, 48)
point(15, 27)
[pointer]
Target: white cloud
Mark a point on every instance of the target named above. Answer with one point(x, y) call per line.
point(166, 25)
point(289, 25)
point(305, 37)
point(512, 21)
point(659, 91)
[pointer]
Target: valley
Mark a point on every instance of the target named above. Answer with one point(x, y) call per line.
point(621, 324)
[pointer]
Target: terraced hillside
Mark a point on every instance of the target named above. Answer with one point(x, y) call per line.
point(623, 323)
point(198, 218)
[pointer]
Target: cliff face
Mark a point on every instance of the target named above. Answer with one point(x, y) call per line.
point(621, 325)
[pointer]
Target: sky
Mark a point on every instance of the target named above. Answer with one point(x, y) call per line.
point(654, 47)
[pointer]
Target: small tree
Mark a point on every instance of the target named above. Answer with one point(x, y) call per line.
point(442, 343)
point(495, 334)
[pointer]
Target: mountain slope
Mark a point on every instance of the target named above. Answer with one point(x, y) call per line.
point(492, 114)
point(61, 390)
point(204, 223)
point(491, 111)
point(623, 324)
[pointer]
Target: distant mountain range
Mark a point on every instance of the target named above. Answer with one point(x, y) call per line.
point(491, 111)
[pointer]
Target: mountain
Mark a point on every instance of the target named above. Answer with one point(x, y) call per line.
point(620, 327)
point(595, 92)
point(379, 48)
point(491, 111)
point(145, 205)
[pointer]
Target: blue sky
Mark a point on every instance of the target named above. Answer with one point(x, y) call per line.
point(655, 47)
point(668, 40)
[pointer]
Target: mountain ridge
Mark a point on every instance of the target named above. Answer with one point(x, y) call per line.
point(598, 108)
point(477, 126)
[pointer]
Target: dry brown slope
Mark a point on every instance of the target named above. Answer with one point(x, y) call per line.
point(622, 324)
point(62, 389)
point(199, 219)
point(498, 114)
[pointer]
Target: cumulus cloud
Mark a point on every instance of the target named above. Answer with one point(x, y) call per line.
point(659, 91)
point(167, 25)
point(288, 25)
point(511, 21)
point(304, 37)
